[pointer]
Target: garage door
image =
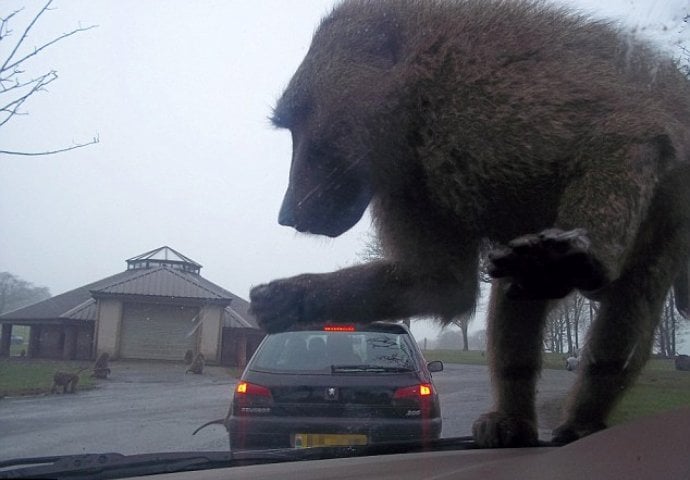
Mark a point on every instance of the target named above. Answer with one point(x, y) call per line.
point(161, 332)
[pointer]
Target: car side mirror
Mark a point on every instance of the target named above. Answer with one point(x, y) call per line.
point(435, 366)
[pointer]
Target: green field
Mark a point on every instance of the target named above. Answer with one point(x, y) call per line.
point(660, 387)
point(21, 376)
point(476, 357)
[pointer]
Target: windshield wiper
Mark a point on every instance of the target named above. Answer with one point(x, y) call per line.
point(367, 368)
point(116, 465)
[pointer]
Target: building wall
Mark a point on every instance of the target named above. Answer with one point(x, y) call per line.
point(108, 327)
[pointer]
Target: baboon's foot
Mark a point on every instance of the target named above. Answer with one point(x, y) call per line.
point(547, 265)
point(498, 430)
point(569, 432)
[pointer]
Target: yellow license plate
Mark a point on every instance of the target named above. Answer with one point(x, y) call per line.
point(304, 440)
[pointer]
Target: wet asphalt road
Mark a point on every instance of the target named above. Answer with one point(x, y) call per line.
point(145, 408)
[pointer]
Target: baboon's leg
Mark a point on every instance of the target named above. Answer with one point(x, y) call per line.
point(620, 340)
point(610, 201)
point(598, 221)
point(515, 344)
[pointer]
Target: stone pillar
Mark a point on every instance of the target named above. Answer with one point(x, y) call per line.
point(211, 332)
point(241, 350)
point(108, 327)
point(34, 341)
point(5, 340)
point(69, 348)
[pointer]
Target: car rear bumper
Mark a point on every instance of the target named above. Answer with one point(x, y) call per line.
point(276, 432)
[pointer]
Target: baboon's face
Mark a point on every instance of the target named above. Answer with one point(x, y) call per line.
point(329, 107)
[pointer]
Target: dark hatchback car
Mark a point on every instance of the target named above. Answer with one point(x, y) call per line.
point(335, 385)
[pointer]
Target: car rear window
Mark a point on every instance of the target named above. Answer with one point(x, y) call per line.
point(323, 351)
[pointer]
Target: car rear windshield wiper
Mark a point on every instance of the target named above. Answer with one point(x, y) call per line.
point(368, 368)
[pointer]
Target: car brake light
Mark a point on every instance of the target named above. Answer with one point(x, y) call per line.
point(246, 388)
point(339, 328)
point(422, 390)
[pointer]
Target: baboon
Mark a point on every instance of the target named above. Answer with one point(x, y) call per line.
point(188, 357)
point(559, 138)
point(68, 381)
point(572, 363)
point(100, 368)
point(197, 365)
point(682, 362)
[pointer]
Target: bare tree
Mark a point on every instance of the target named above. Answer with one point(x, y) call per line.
point(666, 334)
point(16, 85)
point(463, 323)
point(16, 293)
point(567, 324)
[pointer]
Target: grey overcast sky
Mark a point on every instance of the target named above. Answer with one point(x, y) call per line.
point(179, 93)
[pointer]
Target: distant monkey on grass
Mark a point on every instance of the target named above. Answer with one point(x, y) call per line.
point(66, 380)
point(559, 138)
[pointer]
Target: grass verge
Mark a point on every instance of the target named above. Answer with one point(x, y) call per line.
point(659, 387)
point(21, 376)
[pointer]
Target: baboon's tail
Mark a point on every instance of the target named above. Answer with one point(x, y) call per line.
point(219, 421)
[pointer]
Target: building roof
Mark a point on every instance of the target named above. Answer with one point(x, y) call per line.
point(159, 281)
point(164, 256)
point(164, 281)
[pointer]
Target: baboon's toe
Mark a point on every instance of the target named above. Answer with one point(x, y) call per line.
point(569, 432)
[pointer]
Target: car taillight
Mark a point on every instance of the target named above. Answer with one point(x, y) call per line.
point(421, 390)
point(252, 399)
point(415, 401)
point(246, 388)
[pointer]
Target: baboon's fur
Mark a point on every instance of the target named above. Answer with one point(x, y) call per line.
point(100, 368)
point(461, 121)
point(197, 365)
point(68, 381)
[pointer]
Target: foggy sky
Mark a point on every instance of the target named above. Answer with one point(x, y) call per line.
point(179, 93)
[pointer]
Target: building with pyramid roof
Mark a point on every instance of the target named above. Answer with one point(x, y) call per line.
point(158, 308)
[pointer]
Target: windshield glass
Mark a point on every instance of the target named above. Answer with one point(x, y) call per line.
point(318, 351)
point(191, 191)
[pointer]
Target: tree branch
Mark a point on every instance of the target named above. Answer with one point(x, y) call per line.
point(50, 152)
point(11, 109)
point(36, 50)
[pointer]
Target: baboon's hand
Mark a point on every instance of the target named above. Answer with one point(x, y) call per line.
point(498, 430)
point(279, 304)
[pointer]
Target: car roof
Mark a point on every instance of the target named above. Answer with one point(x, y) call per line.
point(385, 327)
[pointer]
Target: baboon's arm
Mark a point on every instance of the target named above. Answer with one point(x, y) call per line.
point(364, 293)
